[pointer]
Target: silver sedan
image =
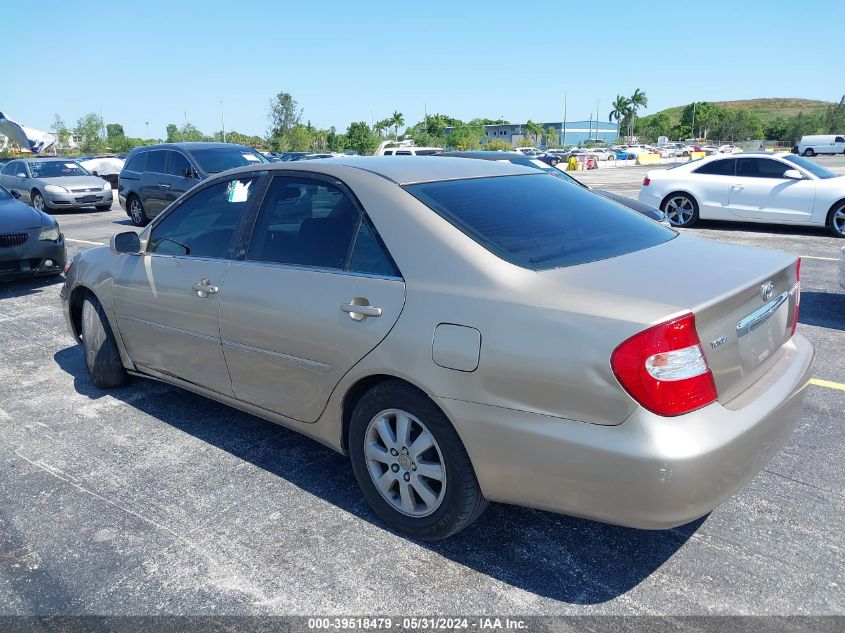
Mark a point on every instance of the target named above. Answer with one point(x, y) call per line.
point(465, 331)
point(56, 183)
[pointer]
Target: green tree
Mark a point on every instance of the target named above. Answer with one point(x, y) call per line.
point(800, 125)
point(299, 139)
point(496, 144)
point(552, 137)
point(776, 130)
point(189, 132)
point(114, 129)
point(534, 131)
point(635, 102)
point(284, 114)
point(833, 121)
point(738, 125)
point(620, 111)
point(61, 130)
point(360, 137)
point(89, 128)
point(396, 120)
point(652, 127)
point(466, 136)
point(173, 135)
point(701, 117)
point(333, 141)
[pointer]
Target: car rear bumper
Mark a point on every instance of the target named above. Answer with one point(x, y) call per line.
point(78, 200)
point(32, 259)
point(648, 472)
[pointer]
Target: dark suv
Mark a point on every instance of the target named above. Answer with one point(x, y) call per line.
point(156, 175)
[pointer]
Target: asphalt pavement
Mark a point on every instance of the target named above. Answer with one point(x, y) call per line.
point(149, 500)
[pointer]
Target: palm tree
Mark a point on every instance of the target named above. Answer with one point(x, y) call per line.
point(619, 112)
point(535, 130)
point(396, 120)
point(638, 100)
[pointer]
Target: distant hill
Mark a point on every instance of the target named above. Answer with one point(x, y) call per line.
point(766, 109)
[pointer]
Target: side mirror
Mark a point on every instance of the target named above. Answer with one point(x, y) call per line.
point(189, 173)
point(127, 242)
point(793, 174)
point(15, 194)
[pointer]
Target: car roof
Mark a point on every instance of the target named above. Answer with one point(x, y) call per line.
point(404, 170)
point(191, 145)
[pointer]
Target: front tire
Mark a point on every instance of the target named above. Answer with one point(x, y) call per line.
point(136, 212)
point(38, 202)
point(411, 465)
point(101, 354)
point(836, 219)
point(809, 152)
point(681, 210)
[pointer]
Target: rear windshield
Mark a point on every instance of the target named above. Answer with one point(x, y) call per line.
point(213, 161)
point(539, 222)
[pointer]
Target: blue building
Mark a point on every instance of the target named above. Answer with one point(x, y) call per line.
point(576, 132)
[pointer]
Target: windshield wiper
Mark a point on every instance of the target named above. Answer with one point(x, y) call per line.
point(536, 259)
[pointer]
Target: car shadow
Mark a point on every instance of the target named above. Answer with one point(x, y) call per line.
point(564, 558)
point(757, 227)
point(27, 286)
point(823, 309)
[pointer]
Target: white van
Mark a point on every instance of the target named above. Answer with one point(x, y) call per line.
point(822, 144)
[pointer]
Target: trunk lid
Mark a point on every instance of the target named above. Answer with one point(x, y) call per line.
point(743, 298)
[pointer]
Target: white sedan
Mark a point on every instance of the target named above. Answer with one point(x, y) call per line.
point(749, 187)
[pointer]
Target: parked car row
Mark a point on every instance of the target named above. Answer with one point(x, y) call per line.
point(55, 183)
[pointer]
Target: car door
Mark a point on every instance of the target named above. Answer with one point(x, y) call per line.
point(760, 192)
point(180, 177)
point(839, 145)
point(711, 186)
point(154, 185)
point(314, 292)
point(167, 299)
point(15, 182)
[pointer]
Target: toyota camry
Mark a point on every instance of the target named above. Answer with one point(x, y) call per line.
point(465, 331)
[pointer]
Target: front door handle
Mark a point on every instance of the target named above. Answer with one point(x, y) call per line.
point(359, 309)
point(738, 187)
point(164, 185)
point(204, 288)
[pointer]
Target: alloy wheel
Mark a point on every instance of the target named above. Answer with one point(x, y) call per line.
point(679, 210)
point(837, 221)
point(405, 463)
point(135, 211)
point(38, 202)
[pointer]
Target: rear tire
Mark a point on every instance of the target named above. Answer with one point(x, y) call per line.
point(101, 354)
point(439, 505)
point(809, 152)
point(136, 211)
point(681, 209)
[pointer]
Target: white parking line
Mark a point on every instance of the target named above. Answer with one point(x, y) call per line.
point(70, 239)
point(824, 259)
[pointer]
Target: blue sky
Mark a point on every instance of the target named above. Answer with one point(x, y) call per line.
point(350, 61)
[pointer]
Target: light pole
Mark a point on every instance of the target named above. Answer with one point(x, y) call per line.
point(222, 121)
point(148, 129)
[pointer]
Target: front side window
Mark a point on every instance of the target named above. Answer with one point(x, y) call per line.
point(204, 225)
point(179, 165)
point(304, 222)
point(156, 161)
point(538, 222)
point(760, 168)
point(718, 168)
point(811, 166)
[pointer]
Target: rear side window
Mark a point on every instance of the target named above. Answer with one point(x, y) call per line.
point(539, 222)
point(156, 161)
point(137, 163)
point(718, 168)
point(370, 255)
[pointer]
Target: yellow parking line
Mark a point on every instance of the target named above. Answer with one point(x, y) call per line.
point(827, 383)
point(824, 259)
point(68, 239)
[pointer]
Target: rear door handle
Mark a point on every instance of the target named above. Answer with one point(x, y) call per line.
point(204, 288)
point(360, 309)
point(164, 185)
point(738, 187)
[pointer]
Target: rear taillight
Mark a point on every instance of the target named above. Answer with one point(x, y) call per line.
point(797, 290)
point(646, 181)
point(664, 368)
